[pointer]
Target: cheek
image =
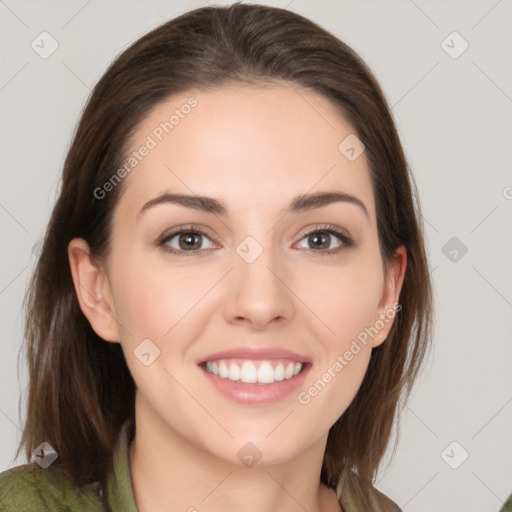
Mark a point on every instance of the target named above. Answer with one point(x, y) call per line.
point(139, 303)
point(346, 349)
point(149, 299)
point(346, 299)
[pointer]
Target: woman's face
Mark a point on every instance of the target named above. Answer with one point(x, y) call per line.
point(246, 280)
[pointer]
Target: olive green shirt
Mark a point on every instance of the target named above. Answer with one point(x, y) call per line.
point(507, 506)
point(30, 488)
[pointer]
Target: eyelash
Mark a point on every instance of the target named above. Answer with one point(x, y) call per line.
point(329, 229)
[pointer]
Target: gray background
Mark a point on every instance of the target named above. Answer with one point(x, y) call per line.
point(454, 117)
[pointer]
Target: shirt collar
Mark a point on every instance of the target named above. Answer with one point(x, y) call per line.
point(119, 485)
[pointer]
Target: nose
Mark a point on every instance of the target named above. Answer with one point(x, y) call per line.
point(258, 293)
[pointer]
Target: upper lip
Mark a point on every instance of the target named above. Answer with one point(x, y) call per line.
point(256, 354)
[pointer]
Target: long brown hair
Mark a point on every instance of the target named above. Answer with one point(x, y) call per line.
point(81, 390)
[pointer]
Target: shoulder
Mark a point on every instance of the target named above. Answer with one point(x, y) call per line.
point(19, 489)
point(387, 503)
point(30, 487)
point(356, 493)
point(507, 506)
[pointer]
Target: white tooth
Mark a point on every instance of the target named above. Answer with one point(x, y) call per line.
point(288, 373)
point(248, 373)
point(223, 370)
point(234, 372)
point(208, 366)
point(215, 368)
point(265, 374)
point(297, 369)
point(279, 372)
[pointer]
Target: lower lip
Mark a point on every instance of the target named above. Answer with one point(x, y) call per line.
point(254, 394)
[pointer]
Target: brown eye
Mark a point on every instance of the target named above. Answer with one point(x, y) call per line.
point(189, 241)
point(321, 240)
point(181, 242)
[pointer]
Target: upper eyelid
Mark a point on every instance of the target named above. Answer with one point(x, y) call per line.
point(184, 229)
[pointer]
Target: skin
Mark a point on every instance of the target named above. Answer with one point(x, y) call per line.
point(247, 146)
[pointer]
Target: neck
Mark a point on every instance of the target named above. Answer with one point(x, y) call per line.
point(169, 473)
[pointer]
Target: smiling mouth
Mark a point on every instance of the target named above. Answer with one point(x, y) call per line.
point(247, 371)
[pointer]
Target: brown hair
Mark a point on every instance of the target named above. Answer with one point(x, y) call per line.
point(81, 390)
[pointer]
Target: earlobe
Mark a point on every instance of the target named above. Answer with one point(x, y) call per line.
point(93, 290)
point(389, 304)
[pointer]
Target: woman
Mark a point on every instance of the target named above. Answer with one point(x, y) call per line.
point(233, 292)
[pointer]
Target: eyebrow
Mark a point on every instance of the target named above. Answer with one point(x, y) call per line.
point(298, 204)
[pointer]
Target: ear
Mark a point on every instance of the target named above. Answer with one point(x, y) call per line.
point(388, 306)
point(93, 290)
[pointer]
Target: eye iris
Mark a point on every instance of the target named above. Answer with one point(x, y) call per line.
point(191, 241)
point(313, 238)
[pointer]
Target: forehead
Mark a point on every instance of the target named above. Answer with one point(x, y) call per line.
point(248, 145)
